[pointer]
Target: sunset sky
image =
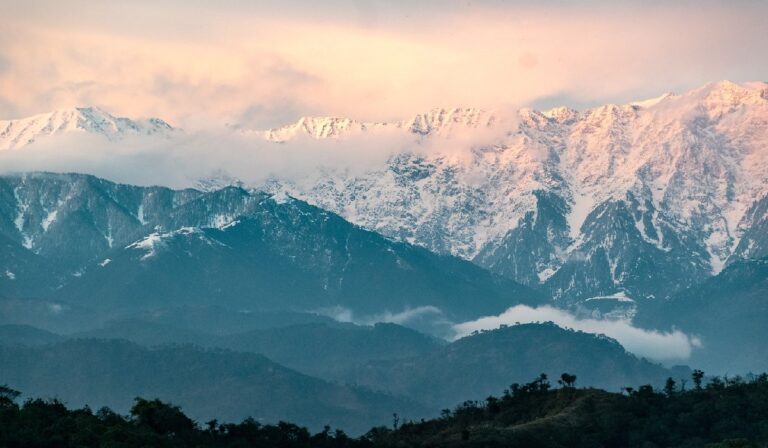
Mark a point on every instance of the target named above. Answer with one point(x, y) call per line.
point(258, 64)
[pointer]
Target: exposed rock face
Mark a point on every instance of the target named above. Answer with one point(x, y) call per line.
point(643, 198)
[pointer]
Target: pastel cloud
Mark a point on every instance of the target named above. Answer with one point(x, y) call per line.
point(194, 63)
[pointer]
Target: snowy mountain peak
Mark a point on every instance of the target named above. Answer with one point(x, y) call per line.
point(441, 120)
point(644, 104)
point(715, 97)
point(641, 197)
point(565, 196)
point(727, 94)
point(93, 120)
point(561, 114)
point(217, 180)
point(435, 121)
point(315, 127)
point(156, 241)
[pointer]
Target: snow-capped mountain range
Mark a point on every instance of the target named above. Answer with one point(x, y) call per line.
point(22, 132)
point(436, 121)
point(633, 201)
point(641, 199)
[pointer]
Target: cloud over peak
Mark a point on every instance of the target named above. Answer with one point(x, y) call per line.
point(263, 64)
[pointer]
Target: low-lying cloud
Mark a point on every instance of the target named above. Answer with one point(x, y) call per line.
point(407, 316)
point(665, 347)
point(183, 158)
point(651, 344)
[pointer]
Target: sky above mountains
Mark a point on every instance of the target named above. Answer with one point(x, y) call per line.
point(263, 64)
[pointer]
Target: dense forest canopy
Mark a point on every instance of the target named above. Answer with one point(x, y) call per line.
point(718, 412)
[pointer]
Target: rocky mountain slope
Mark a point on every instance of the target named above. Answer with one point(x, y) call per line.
point(637, 201)
point(120, 248)
point(642, 199)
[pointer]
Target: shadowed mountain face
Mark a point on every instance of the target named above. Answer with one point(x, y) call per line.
point(123, 249)
point(290, 258)
point(207, 383)
point(727, 312)
point(25, 335)
point(24, 273)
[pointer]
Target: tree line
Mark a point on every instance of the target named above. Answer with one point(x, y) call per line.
point(719, 412)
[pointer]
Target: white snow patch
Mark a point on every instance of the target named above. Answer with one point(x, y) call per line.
point(640, 225)
point(620, 296)
point(230, 225)
point(644, 104)
point(281, 197)
point(20, 218)
point(148, 244)
point(221, 221)
point(613, 265)
point(140, 215)
point(714, 241)
point(10, 275)
point(716, 263)
point(582, 206)
point(152, 242)
point(22, 208)
point(105, 262)
point(49, 219)
point(546, 274)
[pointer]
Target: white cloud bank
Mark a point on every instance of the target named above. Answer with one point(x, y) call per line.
point(183, 158)
point(651, 344)
point(665, 347)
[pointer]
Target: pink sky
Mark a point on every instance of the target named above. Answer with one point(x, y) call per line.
point(195, 63)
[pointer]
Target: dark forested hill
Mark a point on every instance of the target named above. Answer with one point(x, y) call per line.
point(731, 413)
point(26, 335)
point(384, 357)
point(329, 351)
point(323, 349)
point(721, 414)
point(476, 366)
point(207, 383)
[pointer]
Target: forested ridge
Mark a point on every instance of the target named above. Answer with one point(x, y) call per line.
point(697, 412)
